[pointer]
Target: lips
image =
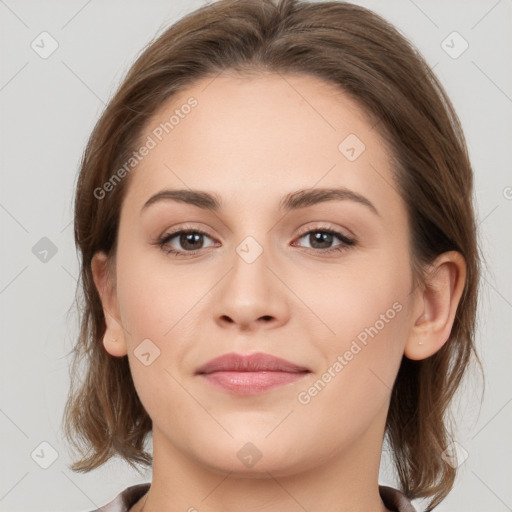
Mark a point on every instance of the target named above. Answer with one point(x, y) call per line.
point(250, 374)
point(258, 362)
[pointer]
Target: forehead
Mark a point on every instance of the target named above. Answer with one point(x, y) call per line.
point(248, 137)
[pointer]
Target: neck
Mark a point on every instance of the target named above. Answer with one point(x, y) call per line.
point(346, 482)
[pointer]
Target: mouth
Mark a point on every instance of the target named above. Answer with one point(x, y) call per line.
point(250, 374)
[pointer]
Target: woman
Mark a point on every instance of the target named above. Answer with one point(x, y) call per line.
point(279, 266)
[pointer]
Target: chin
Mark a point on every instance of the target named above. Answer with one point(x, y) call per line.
point(257, 458)
point(260, 470)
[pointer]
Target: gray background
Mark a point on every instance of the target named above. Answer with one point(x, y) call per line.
point(49, 107)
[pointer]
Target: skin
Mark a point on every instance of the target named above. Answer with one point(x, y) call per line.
point(252, 141)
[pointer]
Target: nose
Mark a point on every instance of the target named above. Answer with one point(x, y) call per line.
point(251, 296)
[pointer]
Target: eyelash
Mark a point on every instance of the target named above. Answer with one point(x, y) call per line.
point(344, 246)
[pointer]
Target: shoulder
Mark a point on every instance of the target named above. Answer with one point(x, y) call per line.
point(395, 500)
point(126, 499)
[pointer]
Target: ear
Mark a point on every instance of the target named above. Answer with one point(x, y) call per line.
point(436, 305)
point(114, 339)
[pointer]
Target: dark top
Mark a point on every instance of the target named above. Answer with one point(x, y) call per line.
point(392, 498)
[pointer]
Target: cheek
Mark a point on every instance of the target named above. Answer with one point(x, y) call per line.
point(155, 306)
point(368, 311)
point(158, 304)
point(361, 361)
point(370, 295)
point(156, 300)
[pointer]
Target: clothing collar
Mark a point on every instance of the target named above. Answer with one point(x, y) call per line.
point(394, 499)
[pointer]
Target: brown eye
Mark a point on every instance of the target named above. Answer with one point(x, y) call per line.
point(322, 239)
point(188, 241)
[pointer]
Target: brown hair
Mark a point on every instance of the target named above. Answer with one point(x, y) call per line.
point(369, 60)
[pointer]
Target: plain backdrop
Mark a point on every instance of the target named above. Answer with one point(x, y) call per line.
point(49, 105)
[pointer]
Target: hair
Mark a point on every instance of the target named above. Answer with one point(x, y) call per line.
point(373, 64)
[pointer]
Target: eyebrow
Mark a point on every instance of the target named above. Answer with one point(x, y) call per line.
point(292, 201)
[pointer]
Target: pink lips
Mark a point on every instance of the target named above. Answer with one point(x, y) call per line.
point(251, 374)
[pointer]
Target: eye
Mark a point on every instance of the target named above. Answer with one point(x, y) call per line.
point(191, 240)
point(321, 239)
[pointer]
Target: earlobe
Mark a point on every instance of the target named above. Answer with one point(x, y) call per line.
point(114, 346)
point(436, 306)
point(113, 339)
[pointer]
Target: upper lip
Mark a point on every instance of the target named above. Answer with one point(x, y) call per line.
point(258, 362)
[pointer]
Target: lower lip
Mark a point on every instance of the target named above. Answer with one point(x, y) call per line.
point(251, 383)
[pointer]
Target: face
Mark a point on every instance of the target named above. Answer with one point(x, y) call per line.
point(323, 284)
